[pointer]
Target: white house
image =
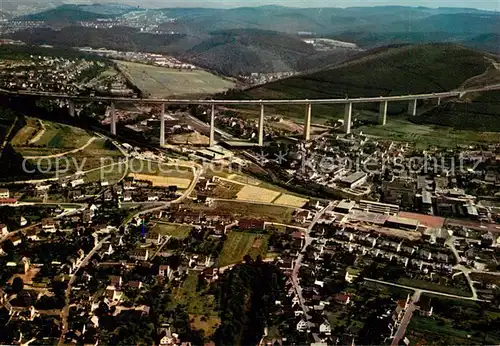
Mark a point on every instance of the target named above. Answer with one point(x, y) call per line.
point(325, 328)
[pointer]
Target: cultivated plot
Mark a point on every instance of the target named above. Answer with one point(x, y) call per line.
point(160, 82)
point(291, 200)
point(256, 194)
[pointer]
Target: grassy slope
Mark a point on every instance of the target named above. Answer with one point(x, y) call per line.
point(481, 113)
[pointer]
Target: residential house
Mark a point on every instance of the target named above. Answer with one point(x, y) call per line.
point(139, 254)
point(116, 281)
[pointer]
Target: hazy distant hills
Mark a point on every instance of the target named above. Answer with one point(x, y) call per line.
point(264, 39)
point(119, 38)
point(230, 52)
point(74, 13)
point(367, 26)
point(234, 52)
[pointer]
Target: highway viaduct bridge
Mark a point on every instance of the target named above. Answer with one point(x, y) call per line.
point(348, 102)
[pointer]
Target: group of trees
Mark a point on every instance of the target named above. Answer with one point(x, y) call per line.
point(247, 296)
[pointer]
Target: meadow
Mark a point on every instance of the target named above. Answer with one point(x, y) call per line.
point(161, 82)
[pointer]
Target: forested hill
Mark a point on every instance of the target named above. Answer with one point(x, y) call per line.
point(236, 52)
point(229, 52)
point(401, 70)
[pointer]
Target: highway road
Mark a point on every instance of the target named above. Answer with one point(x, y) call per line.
point(453, 93)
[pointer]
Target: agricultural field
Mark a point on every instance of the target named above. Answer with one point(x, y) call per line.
point(162, 181)
point(160, 82)
point(42, 137)
point(174, 230)
point(160, 169)
point(111, 174)
point(269, 213)
point(256, 194)
point(240, 244)
point(291, 200)
point(226, 189)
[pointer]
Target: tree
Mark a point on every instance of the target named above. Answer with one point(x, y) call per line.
point(17, 285)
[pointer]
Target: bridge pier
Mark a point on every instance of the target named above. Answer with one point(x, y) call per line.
point(307, 122)
point(212, 127)
point(348, 118)
point(439, 101)
point(412, 108)
point(382, 117)
point(71, 108)
point(113, 118)
point(261, 126)
point(162, 124)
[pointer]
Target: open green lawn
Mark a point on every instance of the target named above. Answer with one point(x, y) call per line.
point(239, 244)
point(177, 231)
point(161, 82)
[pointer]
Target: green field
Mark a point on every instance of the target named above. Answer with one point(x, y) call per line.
point(111, 174)
point(266, 212)
point(94, 156)
point(195, 302)
point(174, 230)
point(434, 287)
point(42, 137)
point(161, 82)
point(239, 244)
point(456, 322)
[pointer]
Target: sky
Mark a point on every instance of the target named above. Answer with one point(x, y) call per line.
point(480, 4)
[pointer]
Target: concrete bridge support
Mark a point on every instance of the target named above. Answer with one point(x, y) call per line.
point(212, 127)
point(439, 101)
point(382, 117)
point(112, 113)
point(71, 108)
point(412, 108)
point(348, 118)
point(261, 126)
point(162, 124)
point(307, 122)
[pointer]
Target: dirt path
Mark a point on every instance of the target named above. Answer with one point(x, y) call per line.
point(89, 142)
point(40, 133)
